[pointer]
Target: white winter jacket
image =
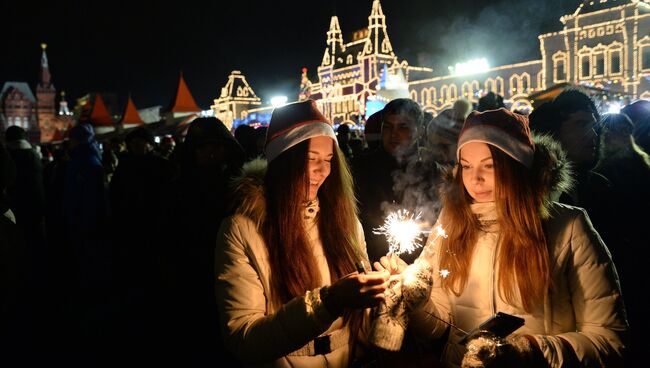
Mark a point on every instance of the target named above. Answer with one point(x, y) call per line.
point(585, 306)
point(258, 332)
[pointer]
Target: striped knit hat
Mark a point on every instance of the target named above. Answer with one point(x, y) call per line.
point(294, 123)
point(500, 128)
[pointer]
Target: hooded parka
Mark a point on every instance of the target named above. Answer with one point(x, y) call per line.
point(255, 330)
point(582, 315)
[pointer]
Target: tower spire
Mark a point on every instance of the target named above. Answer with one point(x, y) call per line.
point(63, 105)
point(45, 68)
point(378, 42)
point(334, 35)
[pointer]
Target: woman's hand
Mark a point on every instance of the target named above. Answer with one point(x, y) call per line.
point(357, 291)
point(391, 263)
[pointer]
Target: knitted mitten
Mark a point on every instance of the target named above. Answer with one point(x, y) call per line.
point(487, 351)
point(417, 282)
point(389, 319)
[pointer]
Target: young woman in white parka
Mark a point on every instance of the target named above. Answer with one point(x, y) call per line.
point(510, 249)
point(288, 291)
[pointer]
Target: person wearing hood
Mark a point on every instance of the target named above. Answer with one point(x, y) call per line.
point(288, 292)
point(510, 249)
point(85, 204)
point(197, 203)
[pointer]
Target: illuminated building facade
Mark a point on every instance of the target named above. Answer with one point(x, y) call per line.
point(603, 44)
point(37, 115)
point(236, 101)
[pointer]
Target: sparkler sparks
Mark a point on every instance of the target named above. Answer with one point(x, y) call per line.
point(402, 231)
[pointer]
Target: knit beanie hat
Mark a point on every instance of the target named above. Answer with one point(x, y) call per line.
point(500, 128)
point(294, 123)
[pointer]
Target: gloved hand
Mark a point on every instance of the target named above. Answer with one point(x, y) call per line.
point(417, 281)
point(389, 319)
point(486, 351)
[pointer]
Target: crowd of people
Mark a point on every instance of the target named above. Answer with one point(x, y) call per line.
point(259, 246)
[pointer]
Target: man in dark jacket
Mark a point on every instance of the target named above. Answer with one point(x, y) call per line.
point(395, 176)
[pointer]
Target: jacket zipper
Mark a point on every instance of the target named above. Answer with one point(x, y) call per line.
point(492, 275)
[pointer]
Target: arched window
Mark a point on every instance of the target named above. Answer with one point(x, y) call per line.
point(598, 60)
point(615, 58)
point(466, 90)
point(500, 86)
point(514, 84)
point(559, 67)
point(453, 92)
point(644, 54)
point(432, 90)
point(524, 81)
point(426, 97)
point(490, 85)
point(584, 63)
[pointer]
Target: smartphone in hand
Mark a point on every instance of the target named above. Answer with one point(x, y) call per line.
point(499, 325)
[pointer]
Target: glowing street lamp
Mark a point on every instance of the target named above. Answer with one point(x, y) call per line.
point(473, 66)
point(279, 101)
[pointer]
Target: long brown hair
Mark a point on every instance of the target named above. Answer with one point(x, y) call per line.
point(293, 266)
point(523, 255)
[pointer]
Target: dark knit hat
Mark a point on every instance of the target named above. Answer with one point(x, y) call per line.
point(294, 123)
point(500, 128)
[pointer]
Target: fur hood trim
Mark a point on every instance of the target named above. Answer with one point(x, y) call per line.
point(248, 191)
point(552, 171)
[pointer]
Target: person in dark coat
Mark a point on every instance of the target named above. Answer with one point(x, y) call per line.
point(27, 195)
point(12, 261)
point(136, 195)
point(639, 113)
point(395, 176)
point(197, 201)
point(571, 119)
point(618, 214)
point(27, 201)
point(247, 138)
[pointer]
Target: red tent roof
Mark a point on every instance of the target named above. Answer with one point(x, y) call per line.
point(184, 101)
point(131, 115)
point(100, 115)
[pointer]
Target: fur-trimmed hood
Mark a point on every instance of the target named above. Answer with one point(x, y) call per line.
point(248, 191)
point(552, 171)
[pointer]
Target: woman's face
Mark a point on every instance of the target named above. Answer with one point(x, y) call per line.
point(320, 153)
point(478, 171)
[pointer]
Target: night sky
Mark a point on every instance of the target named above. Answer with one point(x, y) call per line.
point(140, 46)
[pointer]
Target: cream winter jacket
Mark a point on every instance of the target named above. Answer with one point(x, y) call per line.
point(254, 329)
point(584, 307)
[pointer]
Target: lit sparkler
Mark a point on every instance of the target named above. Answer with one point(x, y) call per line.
point(402, 231)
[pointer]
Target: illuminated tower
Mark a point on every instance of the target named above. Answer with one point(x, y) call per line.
point(45, 101)
point(236, 98)
point(377, 47)
point(334, 42)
